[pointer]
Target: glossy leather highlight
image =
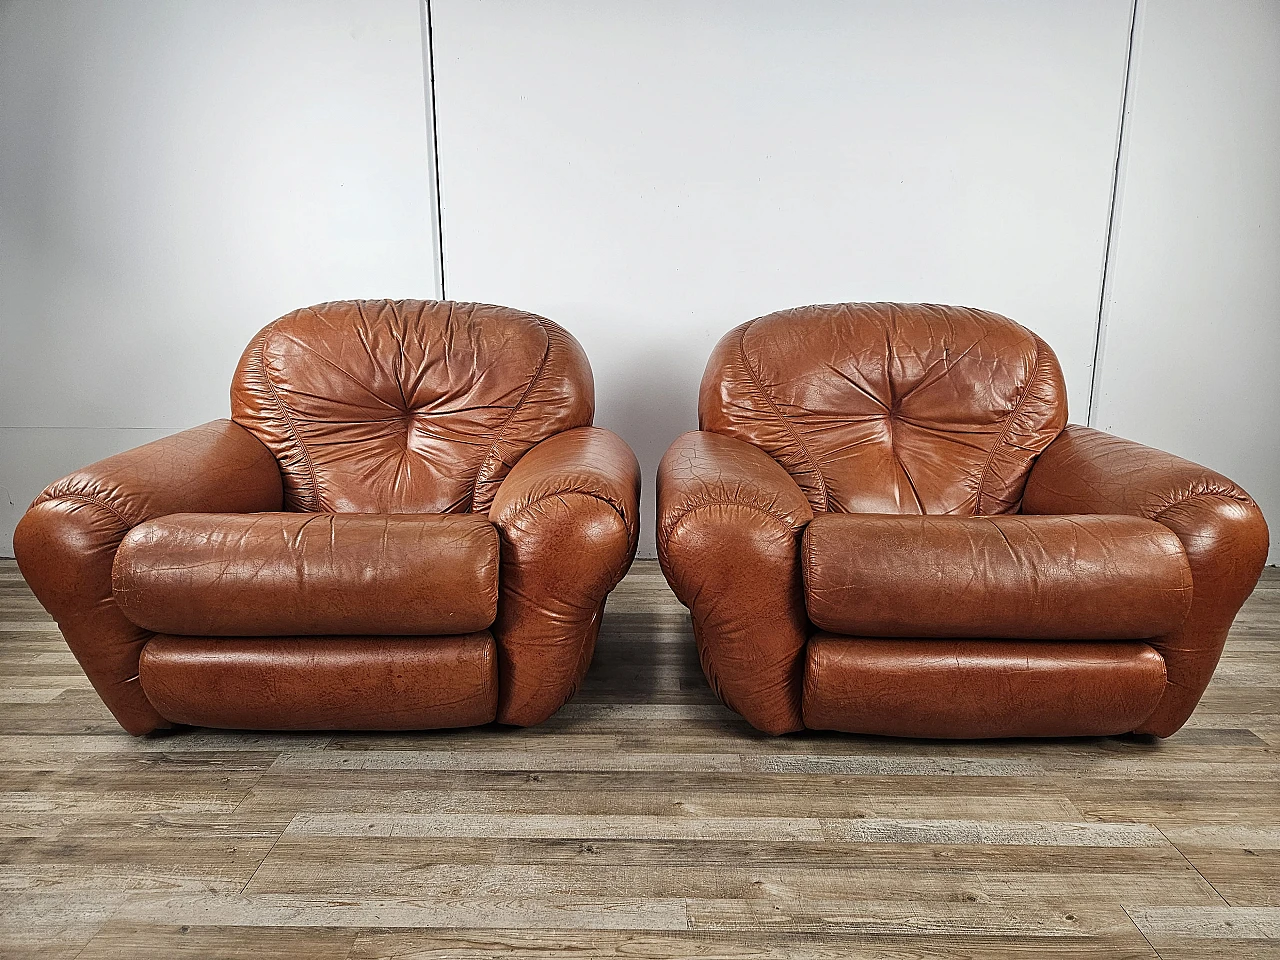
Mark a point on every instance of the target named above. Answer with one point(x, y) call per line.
point(890, 408)
point(323, 683)
point(568, 514)
point(407, 406)
point(729, 526)
point(922, 454)
point(66, 542)
point(291, 574)
point(392, 432)
point(1219, 525)
point(1021, 577)
point(965, 689)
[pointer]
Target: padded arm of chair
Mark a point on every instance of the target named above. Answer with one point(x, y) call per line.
point(568, 514)
point(730, 520)
point(66, 542)
point(1221, 529)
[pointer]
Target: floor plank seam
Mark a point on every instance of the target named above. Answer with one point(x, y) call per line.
point(1142, 933)
point(270, 850)
point(1187, 859)
point(88, 943)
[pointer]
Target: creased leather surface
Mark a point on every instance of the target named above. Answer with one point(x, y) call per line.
point(66, 542)
point(1220, 527)
point(979, 688)
point(909, 409)
point(568, 515)
point(369, 414)
point(290, 574)
point(1023, 577)
point(729, 526)
point(407, 406)
point(323, 683)
point(890, 408)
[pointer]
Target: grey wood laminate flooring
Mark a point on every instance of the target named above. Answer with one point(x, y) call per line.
point(643, 820)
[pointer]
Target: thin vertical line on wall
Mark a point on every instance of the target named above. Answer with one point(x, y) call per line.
point(1100, 329)
point(433, 129)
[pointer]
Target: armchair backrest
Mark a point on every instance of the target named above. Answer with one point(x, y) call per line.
point(407, 406)
point(890, 408)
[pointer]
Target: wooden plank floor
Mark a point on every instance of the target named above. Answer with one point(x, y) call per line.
point(644, 820)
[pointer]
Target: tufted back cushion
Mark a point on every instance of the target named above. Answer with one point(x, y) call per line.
point(890, 408)
point(407, 406)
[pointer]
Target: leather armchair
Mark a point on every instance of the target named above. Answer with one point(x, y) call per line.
point(886, 526)
point(408, 523)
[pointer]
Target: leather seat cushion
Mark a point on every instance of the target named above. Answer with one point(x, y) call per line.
point(1019, 577)
point(293, 574)
point(322, 683)
point(979, 688)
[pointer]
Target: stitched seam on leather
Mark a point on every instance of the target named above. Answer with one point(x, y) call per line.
point(85, 498)
point(612, 504)
point(680, 518)
point(806, 564)
point(1008, 425)
point(502, 430)
point(1247, 500)
point(764, 395)
point(1164, 667)
point(286, 413)
point(582, 646)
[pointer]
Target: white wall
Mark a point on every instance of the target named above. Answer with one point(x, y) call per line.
point(173, 176)
point(1191, 353)
point(652, 174)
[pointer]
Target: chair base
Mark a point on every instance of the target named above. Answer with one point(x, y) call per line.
point(971, 689)
point(322, 683)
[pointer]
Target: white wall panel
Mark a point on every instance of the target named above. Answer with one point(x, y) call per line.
point(652, 174)
point(174, 175)
point(1191, 353)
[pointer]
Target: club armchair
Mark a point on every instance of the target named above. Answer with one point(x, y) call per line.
point(886, 526)
point(408, 523)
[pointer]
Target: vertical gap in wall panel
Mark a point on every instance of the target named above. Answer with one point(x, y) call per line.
point(433, 135)
point(1113, 212)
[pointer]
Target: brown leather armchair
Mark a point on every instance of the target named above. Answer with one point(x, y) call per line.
point(886, 526)
point(409, 522)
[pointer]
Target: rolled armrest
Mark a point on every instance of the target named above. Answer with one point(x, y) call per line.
point(1220, 527)
point(66, 542)
point(730, 521)
point(568, 515)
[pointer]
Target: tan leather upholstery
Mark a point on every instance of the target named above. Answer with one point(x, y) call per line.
point(898, 426)
point(956, 689)
point(887, 408)
point(290, 574)
point(729, 526)
point(379, 406)
point(66, 542)
point(1218, 524)
point(413, 444)
point(323, 683)
point(1042, 578)
point(569, 517)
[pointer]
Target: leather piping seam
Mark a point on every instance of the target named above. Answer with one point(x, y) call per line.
point(1164, 668)
point(502, 430)
point(764, 395)
point(680, 518)
point(1245, 499)
point(286, 413)
point(607, 501)
point(1008, 426)
point(86, 498)
point(806, 576)
point(592, 623)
